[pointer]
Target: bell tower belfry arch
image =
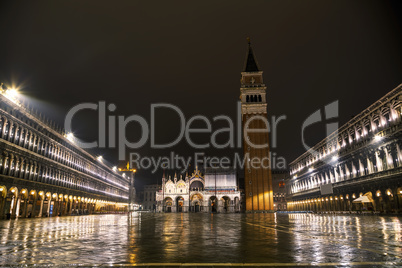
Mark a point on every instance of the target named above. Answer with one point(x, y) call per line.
point(258, 177)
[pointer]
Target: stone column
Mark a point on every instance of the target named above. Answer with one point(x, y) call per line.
point(16, 128)
point(50, 151)
point(45, 145)
point(3, 132)
point(33, 213)
point(49, 202)
point(21, 136)
point(30, 177)
point(10, 166)
point(36, 148)
point(11, 136)
point(56, 153)
point(35, 172)
point(17, 168)
point(68, 203)
point(5, 165)
point(2, 203)
point(21, 168)
point(26, 140)
point(17, 209)
point(71, 207)
point(13, 212)
point(24, 209)
point(41, 208)
point(55, 208)
point(33, 142)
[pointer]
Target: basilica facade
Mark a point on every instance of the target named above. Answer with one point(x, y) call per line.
point(216, 191)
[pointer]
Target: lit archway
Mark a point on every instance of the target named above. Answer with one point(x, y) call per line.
point(168, 203)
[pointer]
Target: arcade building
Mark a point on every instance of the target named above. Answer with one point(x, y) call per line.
point(356, 168)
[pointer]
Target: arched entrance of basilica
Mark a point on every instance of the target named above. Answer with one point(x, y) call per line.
point(213, 204)
point(179, 204)
point(168, 203)
point(225, 203)
point(196, 203)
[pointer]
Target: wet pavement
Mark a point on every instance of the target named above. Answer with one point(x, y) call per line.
point(251, 239)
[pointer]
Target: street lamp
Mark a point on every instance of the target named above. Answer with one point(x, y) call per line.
point(12, 93)
point(131, 189)
point(377, 138)
point(9, 93)
point(70, 136)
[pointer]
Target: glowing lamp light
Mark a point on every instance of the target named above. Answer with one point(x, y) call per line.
point(310, 169)
point(23, 191)
point(54, 195)
point(32, 192)
point(70, 136)
point(40, 193)
point(48, 195)
point(12, 190)
point(114, 168)
point(1, 189)
point(12, 93)
point(378, 194)
point(100, 158)
point(399, 191)
point(377, 138)
point(388, 193)
point(334, 158)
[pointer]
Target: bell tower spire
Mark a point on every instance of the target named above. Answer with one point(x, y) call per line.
point(258, 179)
point(250, 64)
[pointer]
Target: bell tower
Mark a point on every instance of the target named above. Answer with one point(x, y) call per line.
point(258, 177)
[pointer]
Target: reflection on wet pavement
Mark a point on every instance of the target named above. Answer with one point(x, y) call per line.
point(202, 238)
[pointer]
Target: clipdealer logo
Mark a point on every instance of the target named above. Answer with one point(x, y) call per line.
point(331, 111)
point(112, 134)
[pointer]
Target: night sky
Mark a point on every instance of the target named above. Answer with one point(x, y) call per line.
point(191, 53)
